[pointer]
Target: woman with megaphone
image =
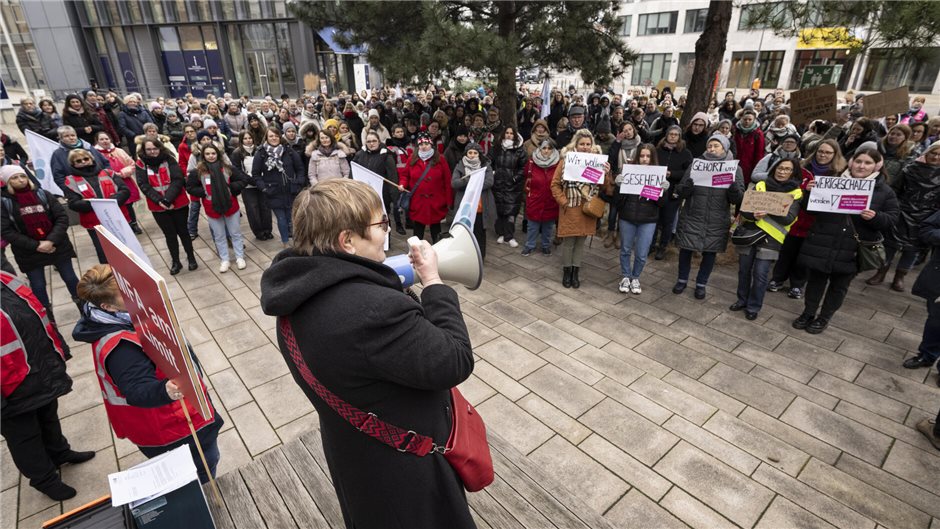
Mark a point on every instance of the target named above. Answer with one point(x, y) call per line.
point(345, 326)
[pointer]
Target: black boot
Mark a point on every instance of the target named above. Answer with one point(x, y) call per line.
point(175, 268)
point(193, 264)
point(74, 458)
point(566, 277)
point(575, 282)
point(136, 228)
point(57, 490)
point(879, 276)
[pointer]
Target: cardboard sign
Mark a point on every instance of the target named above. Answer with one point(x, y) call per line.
point(888, 102)
point(663, 83)
point(841, 195)
point(585, 167)
point(644, 180)
point(713, 173)
point(813, 103)
point(767, 201)
point(148, 302)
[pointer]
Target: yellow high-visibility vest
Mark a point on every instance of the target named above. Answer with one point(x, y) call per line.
point(771, 226)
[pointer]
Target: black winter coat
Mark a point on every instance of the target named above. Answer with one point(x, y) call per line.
point(80, 121)
point(676, 162)
point(40, 123)
point(705, 217)
point(638, 210)
point(47, 379)
point(279, 189)
point(918, 192)
point(24, 246)
point(380, 162)
point(131, 123)
point(831, 248)
point(927, 285)
point(508, 178)
point(383, 352)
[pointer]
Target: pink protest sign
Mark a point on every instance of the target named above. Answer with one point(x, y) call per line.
point(592, 174)
point(853, 202)
point(650, 192)
point(722, 179)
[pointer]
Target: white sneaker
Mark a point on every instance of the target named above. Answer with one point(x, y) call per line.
point(624, 285)
point(513, 243)
point(500, 240)
point(635, 287)
point(224, 266)
point(240, 263)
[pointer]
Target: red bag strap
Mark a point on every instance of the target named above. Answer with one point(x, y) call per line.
point(367, 423)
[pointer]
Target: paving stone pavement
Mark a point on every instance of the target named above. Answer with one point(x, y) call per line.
point(658, 410)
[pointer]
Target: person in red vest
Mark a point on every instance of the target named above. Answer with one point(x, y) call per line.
point(87, 181)
point(141, 402)
point(32, 378)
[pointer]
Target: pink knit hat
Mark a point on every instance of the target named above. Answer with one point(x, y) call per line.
point(8, 171)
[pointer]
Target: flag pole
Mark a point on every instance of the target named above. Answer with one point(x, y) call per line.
point(202, 456)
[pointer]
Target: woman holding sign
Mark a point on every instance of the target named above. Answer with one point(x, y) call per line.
point(574, 225)
point(705, 217)
point(141, 402)
point(830, 252)
point(638, 216)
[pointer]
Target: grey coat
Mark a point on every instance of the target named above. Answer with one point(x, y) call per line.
point(705, 217)
point(459, 183)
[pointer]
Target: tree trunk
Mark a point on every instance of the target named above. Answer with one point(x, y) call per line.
point(506, 70)
point(709, 50)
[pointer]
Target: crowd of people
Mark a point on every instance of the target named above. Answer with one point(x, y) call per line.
point(187, 156)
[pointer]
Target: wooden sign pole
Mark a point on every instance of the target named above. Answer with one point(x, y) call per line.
point(202, 456)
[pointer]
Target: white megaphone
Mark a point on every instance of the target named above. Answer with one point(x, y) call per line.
point(458, 259)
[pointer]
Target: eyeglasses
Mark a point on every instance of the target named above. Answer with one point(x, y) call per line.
point(785, 169)
point(383, 223)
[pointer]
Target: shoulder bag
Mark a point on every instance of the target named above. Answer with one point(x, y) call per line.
point(404, 200)
point(592, 206)
point(747, 234)
point(870, 255)
point(467, 449)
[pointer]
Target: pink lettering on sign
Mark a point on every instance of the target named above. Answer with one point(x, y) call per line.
point(722, 179)
point(592, 174)
point(651, 192)
point(853, 202)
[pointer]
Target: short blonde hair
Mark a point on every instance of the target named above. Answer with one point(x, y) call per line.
point(98, 285)
point(75, 153)
point(322, 212)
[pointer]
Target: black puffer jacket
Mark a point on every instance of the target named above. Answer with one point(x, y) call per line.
point(24, 246)
point(677, 162)
point(47, 379)
point(918, 192)
point(927, 285)
point(509, 177)
point(830, 246)
point(39, 123)
point(705, 217)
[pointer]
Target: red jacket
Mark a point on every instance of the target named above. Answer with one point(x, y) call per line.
point(78, 184)
point(430, 202)
point(540, 205)
point(750, 150)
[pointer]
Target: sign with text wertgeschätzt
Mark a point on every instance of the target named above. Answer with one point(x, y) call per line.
point(841, 194)
point(713, 173)
point(644, 180)
point(584, 167)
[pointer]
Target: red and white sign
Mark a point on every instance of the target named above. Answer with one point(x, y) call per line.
point(148, 302)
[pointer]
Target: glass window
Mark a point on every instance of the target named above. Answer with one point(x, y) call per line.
point(113, 13)
point(280, 9)
point(155, 10)
point(650, 68)
point(254, 10)
point(228, 9)
point(807, 57)
point(741, 73)
point(170, 10)
point(208, 38)
point(205, 11)
point(120, 43)
point(625, 23)
point(168, 39)
point(695, 20)
point(133, 10)
point(686, 67)
point(191, 38)
point(258, 36)
point(657, 23)
point(92, 13)
point(286, 58)
point(891, 68)
point(778, 12)
point(98, 35)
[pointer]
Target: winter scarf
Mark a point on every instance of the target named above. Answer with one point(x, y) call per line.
point(544, 162)
point(274, 161)
point(99, 315)
point(746, 130)
point(218, 183)
point(84, 172)
point(34, 214)
point(817, 168)
point(425, 155)
point(471, 165)
point(628, 150)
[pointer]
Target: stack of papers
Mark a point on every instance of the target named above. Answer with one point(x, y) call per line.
point(152, 478)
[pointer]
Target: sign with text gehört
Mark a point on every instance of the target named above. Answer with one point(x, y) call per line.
point(585, 167)
point(841, 195)
point(713, 173)
point(644, 180)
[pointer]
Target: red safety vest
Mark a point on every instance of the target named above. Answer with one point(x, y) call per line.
point(142, 426)
point(108, 189)
point(13, 358)
point(205, 180)
point(160, 182)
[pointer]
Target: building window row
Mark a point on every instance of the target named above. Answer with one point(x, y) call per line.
point(110, 12)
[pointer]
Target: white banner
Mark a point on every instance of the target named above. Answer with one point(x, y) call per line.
point(546, 96)
point(644, 180)
point(585, 167)
point(713, 173)
point(40, 153)
point(841, 194)
point(467, 210)
point(375, 181)
point(111, 217)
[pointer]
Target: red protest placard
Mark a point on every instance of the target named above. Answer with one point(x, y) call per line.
point(148, 302)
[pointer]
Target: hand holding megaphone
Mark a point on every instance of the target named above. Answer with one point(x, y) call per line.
point(424, 260)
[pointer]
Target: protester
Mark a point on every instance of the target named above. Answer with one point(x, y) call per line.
point(927, 286)
point(674, 154)
point(622, 152)
point(749, 143)
point(162, 182)
point(217, 183)
point(31, 118)
point(376, 158)
point(33, 374)
point(327, 160)
point(68, 142)
point(131, 120)
point(279, 174)
point(429, 180)
point(508, 163)
point(472, 161)
point(637, 218)
point(541, 209)
point(87, 181)
point(141, 402)
point(77, 116)
point(256, 205)
point(832, 245)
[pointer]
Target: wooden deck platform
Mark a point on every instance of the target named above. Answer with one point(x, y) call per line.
point(289, 487)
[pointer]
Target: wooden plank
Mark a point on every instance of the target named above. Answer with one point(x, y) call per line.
point(302, 507)
point(220, 515)
point(239, 502)
point(266, 496)
point(316, 482)
point(517, 506)
point(490, 510)
point(314, 444)
point(477, 519)
point(574, 504)
point(541, 499)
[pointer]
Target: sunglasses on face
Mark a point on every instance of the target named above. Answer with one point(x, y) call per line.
point(383, 223)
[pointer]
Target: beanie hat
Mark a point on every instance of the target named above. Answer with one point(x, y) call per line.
point(462, 131)
point(424, 137)
point(702, 116)
point(288, 126)
point(722, 139)
point(202, 134)
point(9, 171)
point(373, 112)
point(575, 110)
point(154, 105)
point(209, 122)
point(603, 126)
point(473, 146)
